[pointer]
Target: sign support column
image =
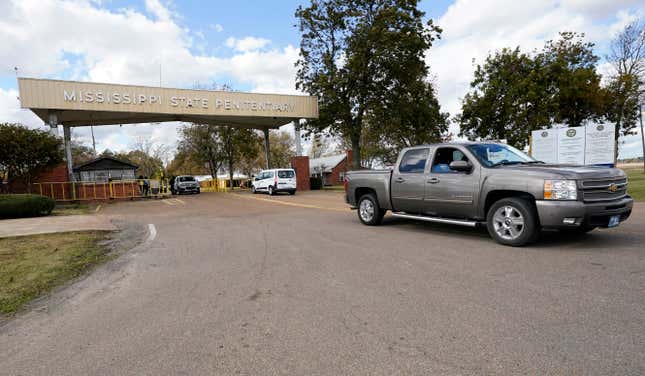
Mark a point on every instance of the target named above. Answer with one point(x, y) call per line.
point(53, 123)
point(67, 138)
point(266, 147)
point(296, 130)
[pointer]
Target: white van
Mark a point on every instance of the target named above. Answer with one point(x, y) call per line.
point(276, 180)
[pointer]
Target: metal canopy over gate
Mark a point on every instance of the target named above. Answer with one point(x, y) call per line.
point(76, 104)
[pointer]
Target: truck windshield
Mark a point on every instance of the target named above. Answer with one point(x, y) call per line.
point(497, 154)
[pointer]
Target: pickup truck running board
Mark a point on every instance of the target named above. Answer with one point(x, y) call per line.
point(461, 222)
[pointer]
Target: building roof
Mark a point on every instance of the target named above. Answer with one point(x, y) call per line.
point(105, 163)
point(326, 163)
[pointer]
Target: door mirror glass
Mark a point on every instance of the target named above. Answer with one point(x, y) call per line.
point(461, 166)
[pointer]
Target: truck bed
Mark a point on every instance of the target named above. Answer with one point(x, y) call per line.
point(376, 180)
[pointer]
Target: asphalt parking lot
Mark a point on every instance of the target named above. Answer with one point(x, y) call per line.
point(238, 284)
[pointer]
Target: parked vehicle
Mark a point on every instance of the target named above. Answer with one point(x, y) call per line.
point(184, 184)
point(491, 184)
point(274, 181)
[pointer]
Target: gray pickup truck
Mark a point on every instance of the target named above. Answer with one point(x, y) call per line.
point(491, 184)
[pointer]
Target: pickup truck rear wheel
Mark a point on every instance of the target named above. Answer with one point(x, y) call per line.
point(513, 221)
point(369, 212)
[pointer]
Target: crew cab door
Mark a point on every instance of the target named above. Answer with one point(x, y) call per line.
point(450, 193)
point(408, 180)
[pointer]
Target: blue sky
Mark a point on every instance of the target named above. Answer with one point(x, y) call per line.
point(252, 45)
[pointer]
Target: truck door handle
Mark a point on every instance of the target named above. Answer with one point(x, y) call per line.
point(399, 180)
point(433, 180)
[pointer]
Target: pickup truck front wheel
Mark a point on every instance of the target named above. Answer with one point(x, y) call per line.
point(369, 211)
point(512, 221)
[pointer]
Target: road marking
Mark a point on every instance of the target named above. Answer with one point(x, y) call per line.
point(152, 233)
point(167, 202)
point(179, 201)
point(290, 203)
point(97, 208)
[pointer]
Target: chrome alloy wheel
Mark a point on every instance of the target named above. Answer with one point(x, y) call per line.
point(508, 222)
point(366, 210)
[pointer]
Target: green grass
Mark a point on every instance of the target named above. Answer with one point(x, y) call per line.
point(72, 209)
point(636, 184)
point(30, 266)
point(334, 188)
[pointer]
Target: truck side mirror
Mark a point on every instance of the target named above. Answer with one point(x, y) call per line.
point(461, 166)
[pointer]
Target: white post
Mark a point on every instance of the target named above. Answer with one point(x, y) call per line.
point(67, 138)
point(266, 147)
point(296, 130)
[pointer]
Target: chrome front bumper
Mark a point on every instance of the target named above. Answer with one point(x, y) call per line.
point(553, 213)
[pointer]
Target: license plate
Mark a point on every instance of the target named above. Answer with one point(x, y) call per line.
point(614, 220)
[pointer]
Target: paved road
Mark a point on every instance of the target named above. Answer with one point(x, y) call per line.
point(238, 285)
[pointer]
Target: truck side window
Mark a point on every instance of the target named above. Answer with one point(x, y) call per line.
point(443, 157)
point(414, 161)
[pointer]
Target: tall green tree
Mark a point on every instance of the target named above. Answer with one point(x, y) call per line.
point(184, 164)
point(235, 144)
point(513, 93)
point(281, 149)
point(356, 55)
point(218, 145)
point(24, 151)
point(567, 67)
point(504, 101)
point(410, 117)
point(200, 142)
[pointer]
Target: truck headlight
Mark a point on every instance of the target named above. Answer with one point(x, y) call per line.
point(560, 190)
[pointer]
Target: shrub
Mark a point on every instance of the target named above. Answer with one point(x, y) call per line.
point(315, 183)
point(21, 206)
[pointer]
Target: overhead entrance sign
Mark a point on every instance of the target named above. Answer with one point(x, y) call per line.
point(88, 103)
point(77, 104)
point(590, 144)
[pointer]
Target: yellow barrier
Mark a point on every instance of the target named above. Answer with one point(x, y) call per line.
point(213, 186)
point(116, 189)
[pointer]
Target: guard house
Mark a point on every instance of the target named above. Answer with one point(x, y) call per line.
point(103, 169)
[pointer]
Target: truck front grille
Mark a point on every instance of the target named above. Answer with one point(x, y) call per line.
point(604, 189)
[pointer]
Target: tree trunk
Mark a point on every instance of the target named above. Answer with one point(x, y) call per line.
point(617, 136)
point(230, 172)
point(356, 150)
point(213, 171)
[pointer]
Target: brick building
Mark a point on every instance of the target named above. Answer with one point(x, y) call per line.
point(331, 168)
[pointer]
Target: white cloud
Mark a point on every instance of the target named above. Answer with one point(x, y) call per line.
point(217, 27)
point(11, 112)
point(247, 43)
point(159, 10)
point(125, 46)
point(473, 29)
